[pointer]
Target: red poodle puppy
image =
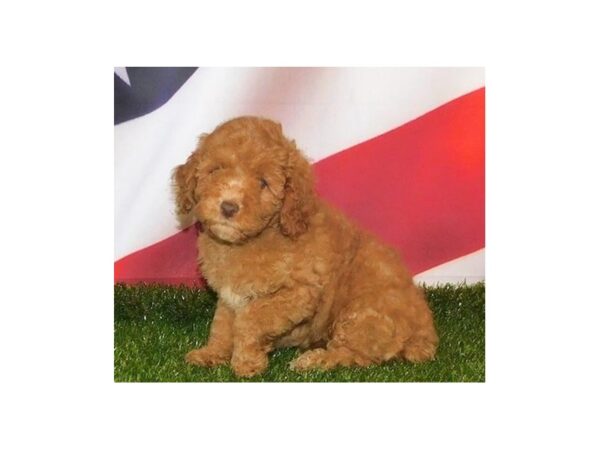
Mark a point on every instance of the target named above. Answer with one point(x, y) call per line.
point(289, 269)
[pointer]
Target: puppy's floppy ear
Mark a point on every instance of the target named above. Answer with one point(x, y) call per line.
point(184, 180)
point(299, 200)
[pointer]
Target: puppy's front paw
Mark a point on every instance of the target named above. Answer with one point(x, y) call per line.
point(248, 365)
point(206, 357)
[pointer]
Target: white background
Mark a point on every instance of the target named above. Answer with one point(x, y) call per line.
point(542, 243)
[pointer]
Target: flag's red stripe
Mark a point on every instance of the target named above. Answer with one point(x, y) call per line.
point(420, 187)
point(170, 261)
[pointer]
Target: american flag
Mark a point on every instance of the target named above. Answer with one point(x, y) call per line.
point(400, 150)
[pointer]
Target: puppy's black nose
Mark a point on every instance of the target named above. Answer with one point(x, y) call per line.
point(228, 209)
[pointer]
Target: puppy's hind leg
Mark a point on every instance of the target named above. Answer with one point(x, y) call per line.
point(422, 346)
point(325, 359)
point(359, 339)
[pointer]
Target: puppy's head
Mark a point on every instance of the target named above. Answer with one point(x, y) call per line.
point(243, 177)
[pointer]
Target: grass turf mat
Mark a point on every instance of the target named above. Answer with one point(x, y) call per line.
point(155, 326)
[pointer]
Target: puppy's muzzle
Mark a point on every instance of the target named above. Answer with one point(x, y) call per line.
point(229, 209)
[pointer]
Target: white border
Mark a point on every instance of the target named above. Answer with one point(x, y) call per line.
point(541, 314)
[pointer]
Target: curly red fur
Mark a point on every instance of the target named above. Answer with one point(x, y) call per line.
point(298, 203)
point(289, 269)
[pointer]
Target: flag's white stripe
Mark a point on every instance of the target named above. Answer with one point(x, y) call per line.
point(324, 110)
point(467, 269)
point(122, 74)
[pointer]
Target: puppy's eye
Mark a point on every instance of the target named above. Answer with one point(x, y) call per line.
point(214, 169)
point(263, 183)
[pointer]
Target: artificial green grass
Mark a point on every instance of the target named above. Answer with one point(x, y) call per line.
point(155, 326)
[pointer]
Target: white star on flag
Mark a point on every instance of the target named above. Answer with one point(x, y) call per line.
point(121, 72)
